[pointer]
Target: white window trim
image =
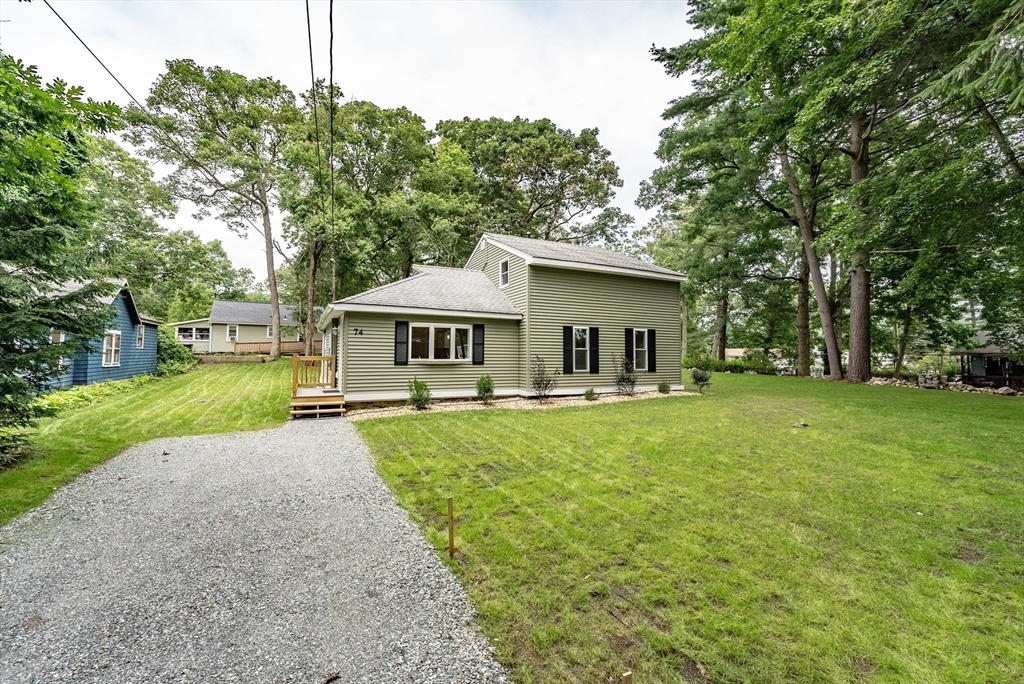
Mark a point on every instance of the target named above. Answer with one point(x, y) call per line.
point(575, 349)
point(140, 336)
point(270, 331)
point(508, 273)
point(116, 334)
point(647, 347)
point(227, 332)
point(452, 327)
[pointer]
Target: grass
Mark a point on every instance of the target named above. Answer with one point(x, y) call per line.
point(209, 399)
point(705, 538)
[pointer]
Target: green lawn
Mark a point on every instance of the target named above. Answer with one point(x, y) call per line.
point(219, 398)
point(689, 535)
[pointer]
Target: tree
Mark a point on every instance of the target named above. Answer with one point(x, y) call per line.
point(224, 134)
point(44, 224)
point(540, 181)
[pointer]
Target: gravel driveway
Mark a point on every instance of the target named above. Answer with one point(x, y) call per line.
point(275, 556)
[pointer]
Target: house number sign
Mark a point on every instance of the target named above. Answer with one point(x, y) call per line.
point(357, 331)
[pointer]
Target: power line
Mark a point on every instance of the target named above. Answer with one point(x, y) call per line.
point(316, 116)
point(116, 79)
point(330, 95)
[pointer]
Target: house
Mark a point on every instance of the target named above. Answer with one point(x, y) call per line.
point(128, 346)
point(241, 328)
point(989, 365)
point(578, 308)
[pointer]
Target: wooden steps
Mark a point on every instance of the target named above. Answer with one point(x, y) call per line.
point(317, 406)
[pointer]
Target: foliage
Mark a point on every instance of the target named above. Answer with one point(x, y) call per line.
point(625, 374)
point(44, 226)
point(172, 357)
point(664, 387)
point(419, 393)
point(224, 135)
point(540, 181)
point(658, 513)
point(590, 394)
point(83, 395)
point(701, 378)
point(212, 399)
point(542, 380)
point(485, 388)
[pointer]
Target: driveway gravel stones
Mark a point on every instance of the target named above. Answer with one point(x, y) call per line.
point(274, 556)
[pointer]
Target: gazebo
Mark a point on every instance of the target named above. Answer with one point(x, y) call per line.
point(989, 365)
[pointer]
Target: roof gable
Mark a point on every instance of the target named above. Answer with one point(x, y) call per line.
point(568, 255)
point(437, 287)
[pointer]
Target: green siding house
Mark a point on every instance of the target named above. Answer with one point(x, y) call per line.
point(579, 308)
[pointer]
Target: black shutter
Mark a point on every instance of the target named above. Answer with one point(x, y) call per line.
point(652, 357)
point(595, 352)
point(567, 349)
point(401, 343)
point(629, 343)
point(478, 344)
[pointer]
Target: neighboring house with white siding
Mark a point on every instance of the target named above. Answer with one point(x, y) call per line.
point(239, 328)
point(579, 308)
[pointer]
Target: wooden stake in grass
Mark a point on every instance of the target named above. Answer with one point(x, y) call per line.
point(451, 528)
point(627, 678)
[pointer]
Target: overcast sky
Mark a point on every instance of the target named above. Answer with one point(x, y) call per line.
point(580, 64)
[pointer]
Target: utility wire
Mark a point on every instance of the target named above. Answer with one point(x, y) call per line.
point(116, 79)
point(330, 95)
point(316, 116)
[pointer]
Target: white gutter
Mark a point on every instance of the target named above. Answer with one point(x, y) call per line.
point(341, 307)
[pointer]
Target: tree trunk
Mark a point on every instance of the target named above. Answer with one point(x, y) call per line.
point(1004, 144)
point(275, 301)
point(803, 320)
point(859, 366)
point(721, 323)
point(820, 295)
point(314, 258)
point(903, 344)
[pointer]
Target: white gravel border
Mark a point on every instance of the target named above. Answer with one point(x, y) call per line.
point(515, 403)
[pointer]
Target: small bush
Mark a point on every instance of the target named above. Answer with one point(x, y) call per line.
point(542, 381)
point(758, 362)
point(485, 388)
point(590, 394)
point(172, 353)
point(701, 378)
point(419, 394)
point(625, 375)
point(664, 387)
point(164, 370)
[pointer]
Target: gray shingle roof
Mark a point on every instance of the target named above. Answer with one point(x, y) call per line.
point(248, 313)
point(579, 254)
point(436, 287)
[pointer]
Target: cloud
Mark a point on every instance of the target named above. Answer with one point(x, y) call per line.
point(580, 64)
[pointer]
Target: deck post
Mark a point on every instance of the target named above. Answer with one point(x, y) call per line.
point(295, 373)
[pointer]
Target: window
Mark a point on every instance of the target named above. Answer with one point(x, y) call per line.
point(203, 334)
point(438, 343)
point(581, 349)
point(640, 349)
point(232, 333)
point(140, 336)
point(270, 331)
point(194, 334)
point(112, 348)
point(56, 337)
point(504, 273)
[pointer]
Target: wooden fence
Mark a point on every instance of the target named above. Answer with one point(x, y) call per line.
point(290, 347)
point(312, 371)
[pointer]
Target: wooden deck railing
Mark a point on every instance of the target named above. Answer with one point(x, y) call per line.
point(1015, 382)
point(312, 371)
point(287, 347)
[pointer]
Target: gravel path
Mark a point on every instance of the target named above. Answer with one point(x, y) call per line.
point(275, 556)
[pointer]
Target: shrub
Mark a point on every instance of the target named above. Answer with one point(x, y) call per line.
point(625, 375)
point(419, 393)
point(590, 394)
point(542, 381)
point(172, 353)
point(757, 362)
point(664, 387)
point(485, 388)
point(701, 378)
point(172, 368)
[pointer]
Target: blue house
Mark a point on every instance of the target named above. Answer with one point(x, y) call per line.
point(127, 348)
